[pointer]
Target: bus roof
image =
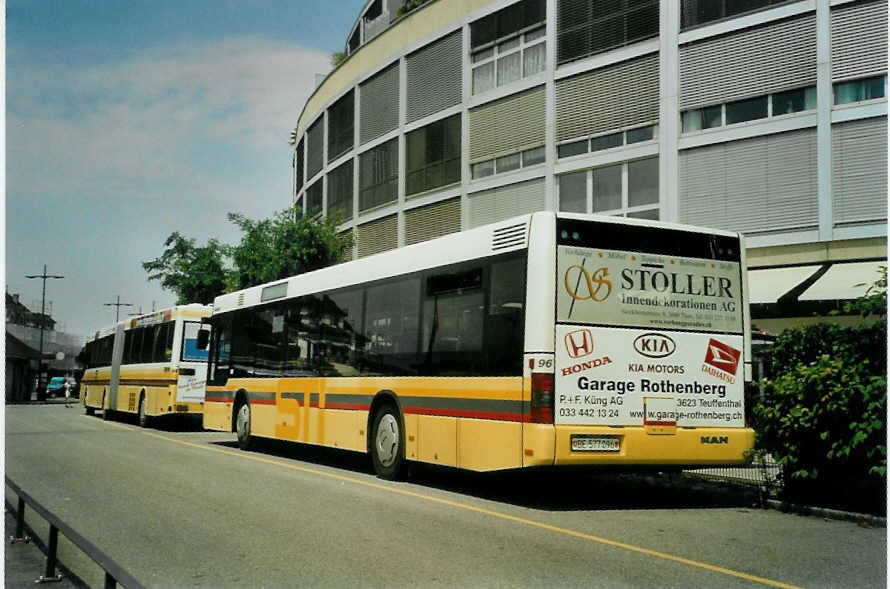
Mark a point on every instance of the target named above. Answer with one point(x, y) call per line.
point(496, 238)
point(190, 311)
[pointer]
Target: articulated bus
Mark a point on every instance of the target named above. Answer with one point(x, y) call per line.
point(547, 339)
point(149, 365)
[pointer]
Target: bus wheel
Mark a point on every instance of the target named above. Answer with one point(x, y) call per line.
point(143, 418)
point(89, 410)
point(242, 426)
point(387, 443)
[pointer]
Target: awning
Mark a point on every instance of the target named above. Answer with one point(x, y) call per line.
point(768, 284)
point(843, 282)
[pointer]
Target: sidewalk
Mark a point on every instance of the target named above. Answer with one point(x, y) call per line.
point(23, 564)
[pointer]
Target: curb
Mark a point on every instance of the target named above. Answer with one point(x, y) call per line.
point(872, 520)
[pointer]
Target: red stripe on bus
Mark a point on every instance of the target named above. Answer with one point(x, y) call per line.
point(465, 413)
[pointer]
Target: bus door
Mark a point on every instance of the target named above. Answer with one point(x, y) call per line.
point(117, 355)
point(192, 378)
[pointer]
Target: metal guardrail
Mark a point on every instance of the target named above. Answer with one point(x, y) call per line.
point(114, 573)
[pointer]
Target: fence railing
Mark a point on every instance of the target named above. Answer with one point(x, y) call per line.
point(114, 573)
point(763, 473)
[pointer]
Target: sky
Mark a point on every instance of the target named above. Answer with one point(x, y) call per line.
point(127, 121)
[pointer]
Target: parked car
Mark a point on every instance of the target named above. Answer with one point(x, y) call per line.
point(56, 386)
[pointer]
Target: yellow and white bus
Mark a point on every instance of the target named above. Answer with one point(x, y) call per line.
point(148, 365)
point(547, 339)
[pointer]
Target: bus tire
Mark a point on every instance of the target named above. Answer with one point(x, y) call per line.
point(242, 426)
point(89, 410)
point(143, 418)
point(388, 443)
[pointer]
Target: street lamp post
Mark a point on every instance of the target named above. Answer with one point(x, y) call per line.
point(41, 386)
point(118, 306)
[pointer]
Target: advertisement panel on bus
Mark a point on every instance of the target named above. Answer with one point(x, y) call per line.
point(648, 339)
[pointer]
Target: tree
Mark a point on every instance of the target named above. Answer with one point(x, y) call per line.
point(282, 246)
point(338, 57)
point(195, 274)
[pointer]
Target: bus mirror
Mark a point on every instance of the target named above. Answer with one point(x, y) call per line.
point(203, 339)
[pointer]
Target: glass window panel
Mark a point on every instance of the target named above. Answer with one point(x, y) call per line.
point(391, 327)
point(607, 141)
point(508, 45)
point(509, 68)
point(570, 149)
point(607, 188)
point(712, 117)
point(746, 110)
point(483, 78)
point(573, 192)
point(533, 59)
point(507, 163)
point(483, 169)
point(641, 134)
point(692, 121)
point(810, 98)
point(484, 54)
point(190, 349)
point(536, 34)
point(642, 182)
point(873, 88)
point(788, 102)
point(651, 214)
point(534, 156)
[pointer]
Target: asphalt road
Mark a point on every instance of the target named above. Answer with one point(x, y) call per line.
point(179, 507)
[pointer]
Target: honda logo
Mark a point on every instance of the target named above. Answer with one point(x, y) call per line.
point(579, 343)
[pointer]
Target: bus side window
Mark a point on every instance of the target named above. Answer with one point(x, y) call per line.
point(220, 348)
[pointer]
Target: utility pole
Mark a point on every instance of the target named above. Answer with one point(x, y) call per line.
point(118, 304)
point(41, 384)
point(137, 313)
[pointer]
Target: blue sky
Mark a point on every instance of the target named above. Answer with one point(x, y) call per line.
point(126, 121)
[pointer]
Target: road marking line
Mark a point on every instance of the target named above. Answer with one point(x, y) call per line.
point(482, 510)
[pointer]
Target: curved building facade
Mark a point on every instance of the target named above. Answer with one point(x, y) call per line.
point(762, 116)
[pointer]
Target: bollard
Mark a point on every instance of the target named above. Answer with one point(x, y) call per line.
point(50, 575)
point(20, 537)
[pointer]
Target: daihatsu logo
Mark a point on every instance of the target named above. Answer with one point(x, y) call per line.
point(654, 345)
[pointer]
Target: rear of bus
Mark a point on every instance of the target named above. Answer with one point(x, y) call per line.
point(650, 344)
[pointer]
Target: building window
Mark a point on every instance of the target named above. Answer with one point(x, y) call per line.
point(859, 90)
point(792, 101)
point(573, 192)
point(608, 141)
point(508, 163)
point(588, 28)
point(507, 22)
point(379, 175)
point(298, 165)
point(508, 61)
point(314, 198)
point(433, 156)
point(783, 103)
point(340, 126)
point(747, 110)
point(628, 189)
point(699, 12)
point(340, 192)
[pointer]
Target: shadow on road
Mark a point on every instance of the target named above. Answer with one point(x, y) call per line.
point(566, 489)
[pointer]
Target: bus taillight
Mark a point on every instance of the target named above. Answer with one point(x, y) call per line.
point(542, 397)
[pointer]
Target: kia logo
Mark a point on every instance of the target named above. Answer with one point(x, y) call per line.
point(654, 345)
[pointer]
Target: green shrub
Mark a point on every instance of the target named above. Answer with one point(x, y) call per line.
point(823, 415)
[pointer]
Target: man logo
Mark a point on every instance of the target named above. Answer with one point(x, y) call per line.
point(722, 356)
point(579, 343)
point(595, 288)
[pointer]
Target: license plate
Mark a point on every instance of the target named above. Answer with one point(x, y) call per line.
point(589, 443)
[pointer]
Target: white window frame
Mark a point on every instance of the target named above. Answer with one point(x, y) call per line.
point(497, 53)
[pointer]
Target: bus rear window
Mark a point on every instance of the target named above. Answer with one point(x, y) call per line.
point(651, 240)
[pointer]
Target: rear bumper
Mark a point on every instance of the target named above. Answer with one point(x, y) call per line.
point(680, 447)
